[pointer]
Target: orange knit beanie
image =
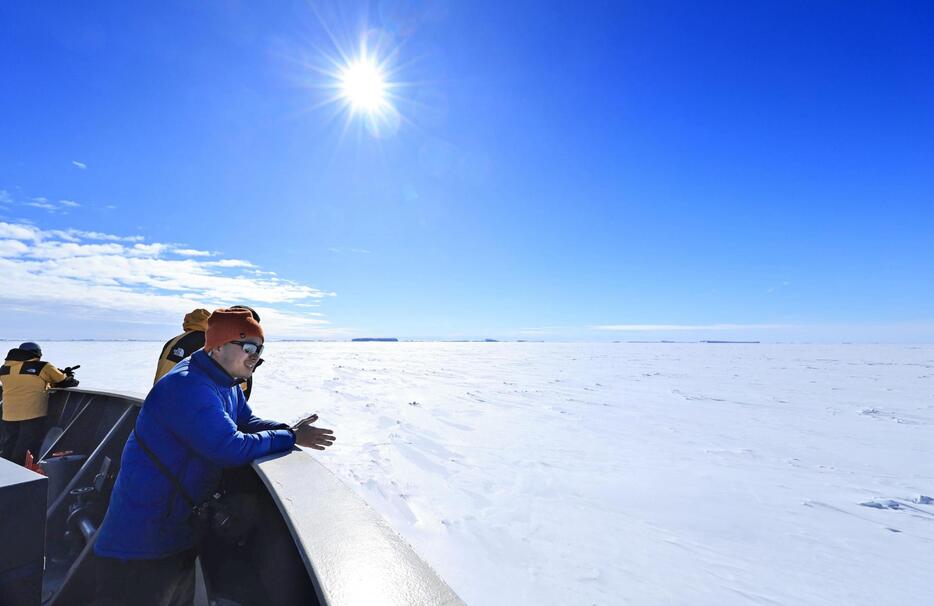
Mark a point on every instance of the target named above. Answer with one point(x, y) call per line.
point(226, 325)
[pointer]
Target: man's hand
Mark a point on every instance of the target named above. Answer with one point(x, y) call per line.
point(312, 437)
point(305, 421)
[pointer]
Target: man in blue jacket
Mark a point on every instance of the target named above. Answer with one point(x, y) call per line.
point(196, 422)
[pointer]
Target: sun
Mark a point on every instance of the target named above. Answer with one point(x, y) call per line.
point(363, 86)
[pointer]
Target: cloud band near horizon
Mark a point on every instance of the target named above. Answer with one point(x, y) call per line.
point(93, 275)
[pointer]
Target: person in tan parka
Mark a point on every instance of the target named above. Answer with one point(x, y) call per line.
point(180, 347)
point(26, 381)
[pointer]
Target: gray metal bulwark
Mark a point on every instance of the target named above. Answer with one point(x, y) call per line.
point(352, 555)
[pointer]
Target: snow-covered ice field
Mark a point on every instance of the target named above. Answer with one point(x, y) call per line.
point(537, 473)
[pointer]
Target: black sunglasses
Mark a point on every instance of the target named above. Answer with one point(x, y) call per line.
point(249, 348)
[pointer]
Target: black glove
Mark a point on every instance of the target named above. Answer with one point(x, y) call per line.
point(69, 381)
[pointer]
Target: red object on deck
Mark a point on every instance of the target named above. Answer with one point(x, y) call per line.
point(31, 464)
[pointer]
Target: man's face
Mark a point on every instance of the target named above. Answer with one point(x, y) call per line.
point(235, 360)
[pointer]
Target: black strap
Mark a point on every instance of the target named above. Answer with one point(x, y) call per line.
point(165, 470)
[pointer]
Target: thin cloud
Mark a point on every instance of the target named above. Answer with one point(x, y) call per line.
point(80, 165)
point(359, 251)
point(61, 206)
point(94, 275)
point(76, 235)
point(149, 250)
point(191, 252)
point(42, 203)
point(231, 263)
point(685, 327)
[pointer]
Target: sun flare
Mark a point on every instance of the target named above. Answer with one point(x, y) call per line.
point(363, 86)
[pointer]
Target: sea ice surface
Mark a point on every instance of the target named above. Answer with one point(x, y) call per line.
point(615, 473)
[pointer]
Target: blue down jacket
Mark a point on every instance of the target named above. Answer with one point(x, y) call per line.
point(197, 422)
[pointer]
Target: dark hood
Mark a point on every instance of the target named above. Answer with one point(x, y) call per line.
point(20, 355)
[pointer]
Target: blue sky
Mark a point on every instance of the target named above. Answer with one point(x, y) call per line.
point(585, 171)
